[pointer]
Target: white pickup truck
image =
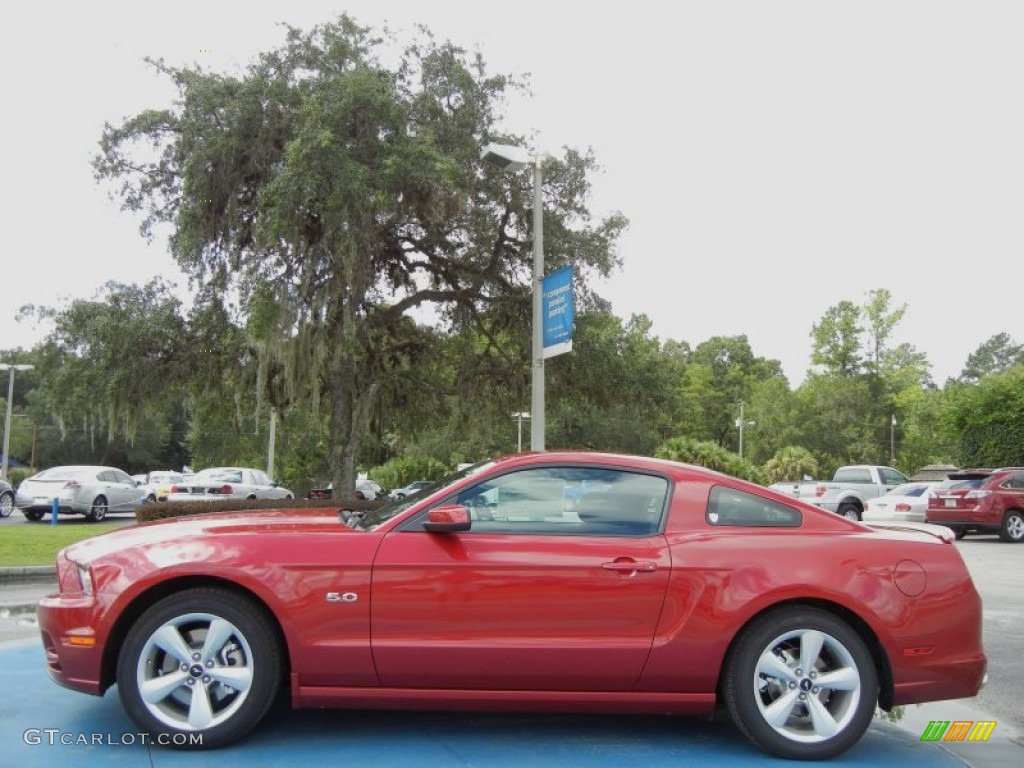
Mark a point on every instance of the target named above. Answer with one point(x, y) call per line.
point(851, 487)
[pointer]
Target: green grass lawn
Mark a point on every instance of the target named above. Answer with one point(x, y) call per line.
point(39, 544)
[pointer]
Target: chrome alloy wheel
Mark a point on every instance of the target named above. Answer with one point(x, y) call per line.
point(195, 672)
point(807, 685)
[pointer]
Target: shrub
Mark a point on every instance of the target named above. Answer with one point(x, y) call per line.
point(167, 509)
point(705, 453)
point(403, 470)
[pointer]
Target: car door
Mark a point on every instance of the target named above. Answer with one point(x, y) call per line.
point(127, 492)
point(551, 589)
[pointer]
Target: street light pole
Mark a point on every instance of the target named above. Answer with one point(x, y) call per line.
point(519, 416)
point(512, 158)
point(10, 397)
point(741, 424)
point(892, 441)
point(537, 386)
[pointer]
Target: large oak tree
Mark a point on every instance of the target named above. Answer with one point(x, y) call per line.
point(325, 195)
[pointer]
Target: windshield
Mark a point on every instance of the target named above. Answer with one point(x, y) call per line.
point(370, 520)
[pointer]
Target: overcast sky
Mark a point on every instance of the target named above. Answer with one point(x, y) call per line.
point(774, 158)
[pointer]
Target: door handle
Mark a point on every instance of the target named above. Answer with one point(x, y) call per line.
point(630, 566)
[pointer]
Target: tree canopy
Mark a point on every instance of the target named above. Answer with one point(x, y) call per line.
point(333, 194)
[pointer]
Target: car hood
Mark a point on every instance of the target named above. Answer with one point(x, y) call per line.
point(200, 526)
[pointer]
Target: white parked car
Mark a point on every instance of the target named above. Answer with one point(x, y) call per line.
point(81, 490)
point(905, 503)
point(228, 483)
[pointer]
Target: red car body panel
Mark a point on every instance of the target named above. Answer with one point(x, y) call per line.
point(404, 618)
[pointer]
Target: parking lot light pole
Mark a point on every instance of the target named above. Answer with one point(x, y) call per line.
point(519, 416)
point(511, 158)
point(742, 424)
point(10, 397)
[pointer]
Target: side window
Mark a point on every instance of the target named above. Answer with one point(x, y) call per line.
point(1015, 482)
point(122, 477)
point(260, 478)
point(892, 477)
point(106, 476)
point(580, 501)
point(730, 507)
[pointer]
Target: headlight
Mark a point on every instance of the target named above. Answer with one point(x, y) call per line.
point(86, 578)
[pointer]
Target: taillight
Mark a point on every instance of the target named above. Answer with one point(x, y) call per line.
point(820, 490)
point(72, 484)
point(976, 494)
point(178, 489)
point(902, 507)
point(225, 488)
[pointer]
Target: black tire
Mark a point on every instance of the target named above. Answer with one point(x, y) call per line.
point(251, 497)
point(35, 515)
point(97, 510)
point(761, 671)
point(849, 511)
point(6, 504)
point(959, 532)
point(245, 651)
point(1012, 529)
point(151, 499)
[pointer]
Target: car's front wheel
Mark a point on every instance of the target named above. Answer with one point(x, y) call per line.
point(6, 504)
point(1012, 528)
point(801, 684)
point(98, 510)
point(202, 666)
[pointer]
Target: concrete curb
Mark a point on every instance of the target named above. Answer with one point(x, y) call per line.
point(28, 573)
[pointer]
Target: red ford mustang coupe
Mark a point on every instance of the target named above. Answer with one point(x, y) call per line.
point(548, 582)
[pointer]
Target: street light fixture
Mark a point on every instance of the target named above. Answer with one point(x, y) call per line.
point(10, 397)
point(511, 158)
point(518, 416)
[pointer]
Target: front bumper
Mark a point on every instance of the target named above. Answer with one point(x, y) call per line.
point(74, 654)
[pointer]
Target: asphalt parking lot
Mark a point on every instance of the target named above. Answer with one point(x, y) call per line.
point(44, 725)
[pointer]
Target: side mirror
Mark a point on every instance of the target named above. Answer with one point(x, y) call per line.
point(450, 518)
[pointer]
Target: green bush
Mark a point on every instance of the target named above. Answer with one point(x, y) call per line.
point(167, 509)
point(705, 453)
point(15, 476)
point(403, 470)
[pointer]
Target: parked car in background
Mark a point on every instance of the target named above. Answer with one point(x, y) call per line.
point(157, 484)
point(408, 490)
point(365, 489)
point(671, 589)
point(82, 490)
point(851, 486)
point(984, 501)
point(228, 483)
point(906, 503)
point(6, 499)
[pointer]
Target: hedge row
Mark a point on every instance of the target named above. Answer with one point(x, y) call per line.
point(166, 509)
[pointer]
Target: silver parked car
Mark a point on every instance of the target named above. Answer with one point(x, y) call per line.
point(6, 499)
point(228, 483)
point(82, 490)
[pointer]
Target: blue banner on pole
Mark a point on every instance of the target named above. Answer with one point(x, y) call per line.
point(559, 308)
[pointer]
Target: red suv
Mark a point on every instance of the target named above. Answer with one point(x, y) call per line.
point(983, 501)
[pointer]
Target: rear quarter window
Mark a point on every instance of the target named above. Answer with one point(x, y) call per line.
point(731, 507)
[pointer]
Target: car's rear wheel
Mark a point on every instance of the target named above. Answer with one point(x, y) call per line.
point(6, 504)
point(35, 515)
point(98, 510)
point(849, 511)
point(801, 684)
point(204, 662)
point(959, 532)
point(1012, 528)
